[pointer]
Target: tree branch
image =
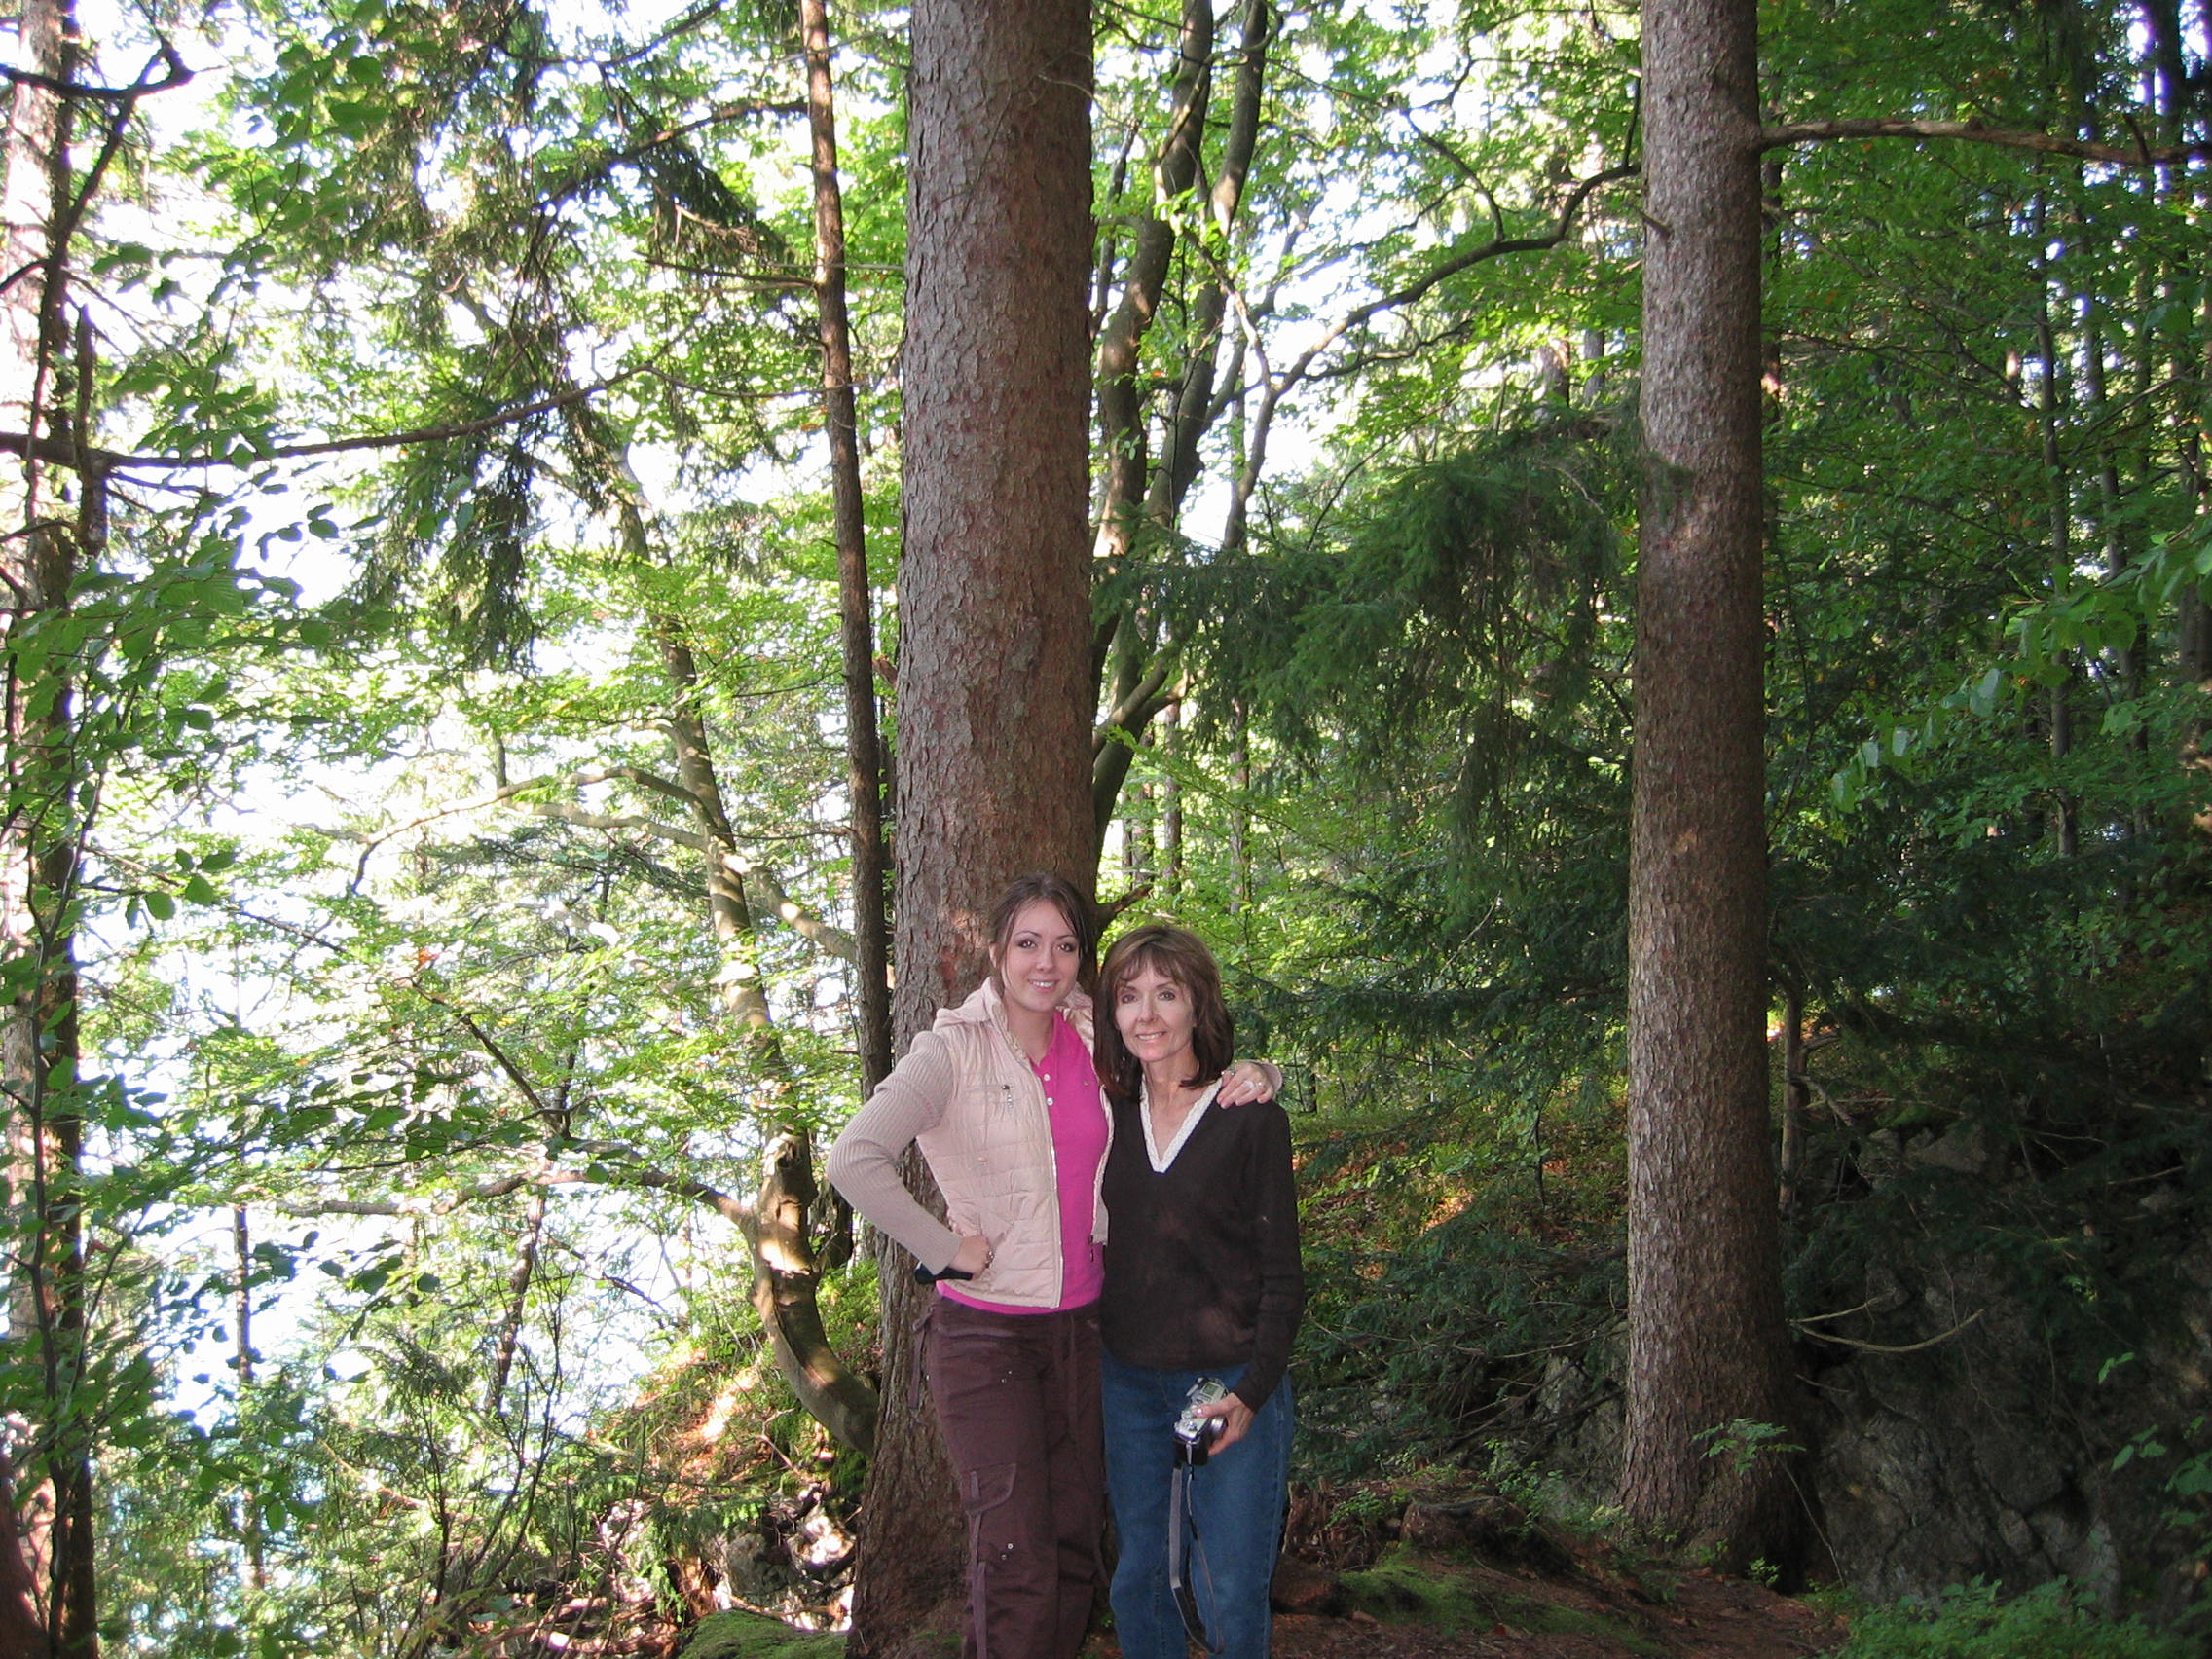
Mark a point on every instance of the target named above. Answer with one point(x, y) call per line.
point(544, 1175)
point(165, 55)
point(825, 935)
point(106, 460)
point(833, 941)
point(784, 1275)
point(2138, 155)
point(637, 775)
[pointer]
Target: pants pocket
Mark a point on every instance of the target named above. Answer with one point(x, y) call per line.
point(984, 1488)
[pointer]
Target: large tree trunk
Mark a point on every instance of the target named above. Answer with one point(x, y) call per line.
point(22, 1633)
point(994, 667)
point(1708, 1344)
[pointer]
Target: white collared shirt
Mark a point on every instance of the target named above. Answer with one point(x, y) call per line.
point(1161, 1159)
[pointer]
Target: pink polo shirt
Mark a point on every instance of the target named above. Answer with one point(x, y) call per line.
point(1078, 1147)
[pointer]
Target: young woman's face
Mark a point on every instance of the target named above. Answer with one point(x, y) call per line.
point(1038, 964)
point(1156, 1018)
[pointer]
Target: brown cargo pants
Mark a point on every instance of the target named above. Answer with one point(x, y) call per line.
point(1016, 1396)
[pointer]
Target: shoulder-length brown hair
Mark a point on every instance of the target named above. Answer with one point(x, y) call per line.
point(1178, 954)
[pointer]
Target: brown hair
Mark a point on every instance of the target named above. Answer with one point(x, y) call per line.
point(1180, 955)
point(1064, 897)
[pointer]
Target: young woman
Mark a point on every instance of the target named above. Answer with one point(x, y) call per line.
point(1202, 1280)
point(1003, 1098)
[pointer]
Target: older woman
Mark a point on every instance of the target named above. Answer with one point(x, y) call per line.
point(1003, 1096)
point(1202, 1280)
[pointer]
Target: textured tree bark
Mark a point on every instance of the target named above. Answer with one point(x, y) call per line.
point(39, 841)
point(22, 1633)
point(994, 665)
point(1708, 1343)
point(863, 749)
point(242, 1316)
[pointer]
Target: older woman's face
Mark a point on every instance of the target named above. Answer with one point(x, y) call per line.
point(1155, 1016)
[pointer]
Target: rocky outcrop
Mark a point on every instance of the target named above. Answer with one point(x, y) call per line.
point(1960, 1429)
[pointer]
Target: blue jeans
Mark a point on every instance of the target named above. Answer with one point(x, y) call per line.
point(1239, 1498)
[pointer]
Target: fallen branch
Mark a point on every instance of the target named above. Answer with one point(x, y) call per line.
point(1887, 1347)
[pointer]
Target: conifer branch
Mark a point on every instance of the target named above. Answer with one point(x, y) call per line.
point(106, 460)
point(573, 780)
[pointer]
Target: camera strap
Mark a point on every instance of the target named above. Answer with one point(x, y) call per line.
point(1183, 1547)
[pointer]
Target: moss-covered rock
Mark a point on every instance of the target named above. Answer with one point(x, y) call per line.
point(1408, 1586)
point(756, 1635)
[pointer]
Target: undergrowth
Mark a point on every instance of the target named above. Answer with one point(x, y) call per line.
point(1972, 1622)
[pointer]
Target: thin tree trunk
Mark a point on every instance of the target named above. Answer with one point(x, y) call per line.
point(1196, 407)
point(1171, 805)
point(1123, 431)
point(2049, 401)
point(1240, 813)
point(787, 1273)
point(519, 1276)
point(994, 669)
point(1797, 1099)
point(2184, 102)
point(40, 839)
point(786, 1281)
point(2193, 620)
point(1707, 1338)
point(241, 1313)
point(2126, 661)
point(1144, 665)
point(864, 749)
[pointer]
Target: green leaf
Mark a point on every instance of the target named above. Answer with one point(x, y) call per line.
point(1982, 699)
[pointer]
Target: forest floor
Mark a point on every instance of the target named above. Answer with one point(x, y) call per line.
point(1445, 1571)
point(1453, 1608)
point(1469, 1574)
point(1468, 1578)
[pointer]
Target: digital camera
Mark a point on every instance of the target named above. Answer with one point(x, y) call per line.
point(1197, 1433)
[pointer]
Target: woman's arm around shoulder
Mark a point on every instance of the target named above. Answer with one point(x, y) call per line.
point(1245, 1081)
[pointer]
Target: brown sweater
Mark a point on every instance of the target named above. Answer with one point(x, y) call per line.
point(1201, 1266)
